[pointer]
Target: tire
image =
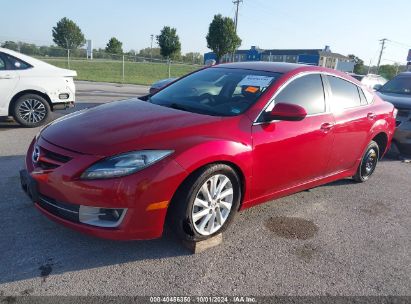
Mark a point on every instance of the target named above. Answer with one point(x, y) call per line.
point(31, 110)
point(190, 206)
point(368, 163)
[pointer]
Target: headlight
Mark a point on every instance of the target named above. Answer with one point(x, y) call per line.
point(124, 164)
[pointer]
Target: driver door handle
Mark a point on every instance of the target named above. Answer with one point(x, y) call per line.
point(327, 126)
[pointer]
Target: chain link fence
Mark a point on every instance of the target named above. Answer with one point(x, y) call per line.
point(125, 68)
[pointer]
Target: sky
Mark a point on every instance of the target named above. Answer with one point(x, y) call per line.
point(348, 26)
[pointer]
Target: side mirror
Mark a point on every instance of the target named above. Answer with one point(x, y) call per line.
point(286, 111)
point(377, 87)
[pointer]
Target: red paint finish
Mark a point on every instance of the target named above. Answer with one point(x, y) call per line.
point(273, 159)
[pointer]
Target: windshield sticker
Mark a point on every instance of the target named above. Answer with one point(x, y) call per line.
point(256, 81)
point(252, 90)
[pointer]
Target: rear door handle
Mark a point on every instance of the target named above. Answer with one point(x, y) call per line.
point(8, 76)
point(371, 115)
point(327, 126)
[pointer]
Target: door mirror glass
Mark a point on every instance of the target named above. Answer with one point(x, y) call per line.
point(286, 111)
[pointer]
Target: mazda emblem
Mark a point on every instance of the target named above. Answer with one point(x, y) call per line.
point(36, 154)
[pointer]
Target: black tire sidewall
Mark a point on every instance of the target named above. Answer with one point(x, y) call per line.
point(183, 202)
point(21, 121)
point(358, 176)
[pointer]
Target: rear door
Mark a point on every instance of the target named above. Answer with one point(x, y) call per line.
point(354, 119)
point(8, 82)
point(289, 153)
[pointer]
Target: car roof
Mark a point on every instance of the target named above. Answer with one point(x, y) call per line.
point(408, 74)
point(277, 67)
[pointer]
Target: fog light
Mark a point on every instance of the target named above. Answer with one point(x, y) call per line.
point(101, 217)
point(64, 96)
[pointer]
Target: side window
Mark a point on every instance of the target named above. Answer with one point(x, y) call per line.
point(16, 64)
point(345, 94)
point(362, 97)
point(2, 63)
point(306, 91)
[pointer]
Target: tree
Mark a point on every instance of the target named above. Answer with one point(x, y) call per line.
point(147, 52)
point(193, 57)
point(114, 46)
point(29, 49)
point(359, 67)
point(222, 38)
point(169, 42)
point(388, 71)
point(11, 45)
point(68, 35)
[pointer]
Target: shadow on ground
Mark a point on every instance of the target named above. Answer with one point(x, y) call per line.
point(33, 246)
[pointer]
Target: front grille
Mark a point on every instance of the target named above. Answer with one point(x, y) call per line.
point(49, 160)
point(66, 211)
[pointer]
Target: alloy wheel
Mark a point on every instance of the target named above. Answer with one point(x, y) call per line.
point(212, 204)
point(32, 110)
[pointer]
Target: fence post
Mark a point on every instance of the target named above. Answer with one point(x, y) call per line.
point(169, 68)
point(68, 58)
point(122, 79)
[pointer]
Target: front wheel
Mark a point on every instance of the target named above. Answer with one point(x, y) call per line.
point(31, 110)
point(206, 203)
point(368, 163)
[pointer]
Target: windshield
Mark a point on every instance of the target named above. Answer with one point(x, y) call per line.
point(398, 85)
point(216, 91)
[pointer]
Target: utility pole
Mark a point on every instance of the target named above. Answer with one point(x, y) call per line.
point(237, 3)
point(382, 50)
point(151, 47)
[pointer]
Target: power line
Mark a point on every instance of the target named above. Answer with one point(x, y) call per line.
point(401, 44)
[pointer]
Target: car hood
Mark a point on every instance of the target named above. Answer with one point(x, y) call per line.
point(399, 101)
point(123, 126)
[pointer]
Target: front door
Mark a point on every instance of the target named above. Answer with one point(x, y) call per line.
point(289, 153)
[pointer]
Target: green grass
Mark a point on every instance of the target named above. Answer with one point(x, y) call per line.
point(111, 71)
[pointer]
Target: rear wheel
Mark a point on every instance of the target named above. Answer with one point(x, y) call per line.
point(206, 203)
point(368, 163)
point(31, 110)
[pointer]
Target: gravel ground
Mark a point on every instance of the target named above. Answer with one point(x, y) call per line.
point(339, 239)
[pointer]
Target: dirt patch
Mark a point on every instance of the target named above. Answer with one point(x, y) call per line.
point(46, 269)
point(376, 209)
point(306, 252)
point(292, 227)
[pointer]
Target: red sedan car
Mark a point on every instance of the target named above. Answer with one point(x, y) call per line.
point(216, 141)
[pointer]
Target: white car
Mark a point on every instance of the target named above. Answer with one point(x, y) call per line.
point(30, 89)
point(370, 80)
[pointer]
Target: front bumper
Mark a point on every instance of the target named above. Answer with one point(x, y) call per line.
point(60, 192)
point(63, 105)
